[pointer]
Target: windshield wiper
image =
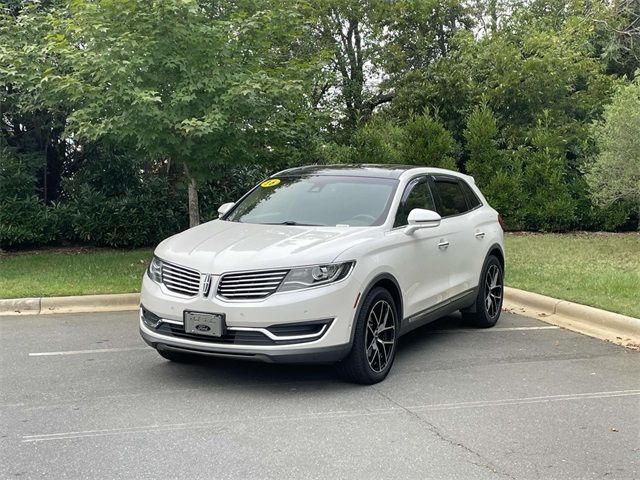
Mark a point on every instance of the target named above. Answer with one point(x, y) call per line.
point(291, 222)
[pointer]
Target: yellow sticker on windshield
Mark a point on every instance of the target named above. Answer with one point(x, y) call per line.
point(270, 183)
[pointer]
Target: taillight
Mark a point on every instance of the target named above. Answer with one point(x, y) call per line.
point(501, 222)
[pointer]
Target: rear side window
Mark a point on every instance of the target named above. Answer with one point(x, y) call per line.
point(472, 198)
point(416, 195)
point(451, 197)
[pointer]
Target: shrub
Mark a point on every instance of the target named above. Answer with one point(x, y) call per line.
point(24, 219)
point(614, 176)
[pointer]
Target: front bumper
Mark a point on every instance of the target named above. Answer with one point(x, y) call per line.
point(260, 330)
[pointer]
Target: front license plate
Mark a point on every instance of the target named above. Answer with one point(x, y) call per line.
point(207, 324)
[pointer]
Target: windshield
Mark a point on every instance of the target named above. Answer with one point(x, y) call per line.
point(321, 200)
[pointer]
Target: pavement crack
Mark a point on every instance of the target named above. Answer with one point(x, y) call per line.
point(481, 461)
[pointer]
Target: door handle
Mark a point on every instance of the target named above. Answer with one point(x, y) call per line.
point(479, 234)
point(443, 244)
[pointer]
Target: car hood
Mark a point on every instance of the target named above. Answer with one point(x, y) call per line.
point(220, 246)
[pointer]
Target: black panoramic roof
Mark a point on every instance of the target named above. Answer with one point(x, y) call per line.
point(363, 170)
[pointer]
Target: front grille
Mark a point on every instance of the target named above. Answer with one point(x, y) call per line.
point(185, 281)
point(250, 285)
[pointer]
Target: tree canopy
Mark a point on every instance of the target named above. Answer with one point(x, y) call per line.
point(199, 98)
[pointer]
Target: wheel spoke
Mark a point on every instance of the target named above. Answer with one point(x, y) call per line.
point(379, 360)
point(373, 332)
point(382, 365)
point(384, 314)
point(370, 350)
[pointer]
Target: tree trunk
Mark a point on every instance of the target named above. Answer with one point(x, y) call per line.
point(194, 209)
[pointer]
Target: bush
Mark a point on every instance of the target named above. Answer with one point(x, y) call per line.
point(614, 176)
point(422, 141)
point(114, 202)
point(528, 185)
point(24, 219)
point(132, 220)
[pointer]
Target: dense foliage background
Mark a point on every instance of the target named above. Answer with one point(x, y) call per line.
point(123, 121)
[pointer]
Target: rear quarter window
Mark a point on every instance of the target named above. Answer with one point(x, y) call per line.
point(472, 198)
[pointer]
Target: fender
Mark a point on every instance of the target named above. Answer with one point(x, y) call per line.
point(365, 292)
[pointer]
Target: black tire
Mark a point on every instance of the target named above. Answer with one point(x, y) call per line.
point(373, 350)
point(486, 310)
point(177, 357)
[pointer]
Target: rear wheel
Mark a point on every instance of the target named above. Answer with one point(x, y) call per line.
point(486, 311)
point(374, 342)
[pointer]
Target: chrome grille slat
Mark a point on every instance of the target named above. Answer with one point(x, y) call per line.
point(246, 290)
point(250, 285)
point(267, 280)
point(176, 278)
point(244, 295)
point(232, 276)
point(182, 280)
point(178, 273)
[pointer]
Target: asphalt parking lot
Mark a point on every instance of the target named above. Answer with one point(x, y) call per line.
point(83, 397)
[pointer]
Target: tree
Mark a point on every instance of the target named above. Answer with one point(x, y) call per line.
point(614, 175)
point(485, 159)
point(370, 45)
point(185, 82)
point(497, 171)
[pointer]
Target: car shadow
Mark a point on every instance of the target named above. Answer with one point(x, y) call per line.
point(422, 337)
point(220, 371)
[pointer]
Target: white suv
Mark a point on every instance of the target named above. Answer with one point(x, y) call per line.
point(327, 264)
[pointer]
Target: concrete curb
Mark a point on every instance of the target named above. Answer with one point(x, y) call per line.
point(590, 321)
point(616, 328)
point(81, 303)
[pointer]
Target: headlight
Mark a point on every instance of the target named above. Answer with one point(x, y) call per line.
point(315, 275)
point(155, 270)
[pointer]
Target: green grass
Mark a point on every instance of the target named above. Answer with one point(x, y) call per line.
point(597, 269)
point(59, 273)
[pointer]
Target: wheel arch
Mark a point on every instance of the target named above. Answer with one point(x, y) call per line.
point(497, 251)
point(389, 283)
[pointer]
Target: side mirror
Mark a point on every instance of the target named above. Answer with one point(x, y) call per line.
point(421, 218)
point(224, 208)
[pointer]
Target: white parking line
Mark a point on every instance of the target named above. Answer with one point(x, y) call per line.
point(84, 352)
point(495, 329)
point(323, 415)
point(526, 400)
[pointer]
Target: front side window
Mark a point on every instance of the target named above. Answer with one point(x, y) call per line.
point(451, 197)
point(319, 200)
point(417, 195)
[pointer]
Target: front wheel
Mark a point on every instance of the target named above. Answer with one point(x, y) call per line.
point(486, 311)
point(374, 342)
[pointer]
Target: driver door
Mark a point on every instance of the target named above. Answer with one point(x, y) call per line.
point(424, 272)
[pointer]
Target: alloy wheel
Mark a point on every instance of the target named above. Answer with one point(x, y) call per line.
point(493, 291)
point(380, 337)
